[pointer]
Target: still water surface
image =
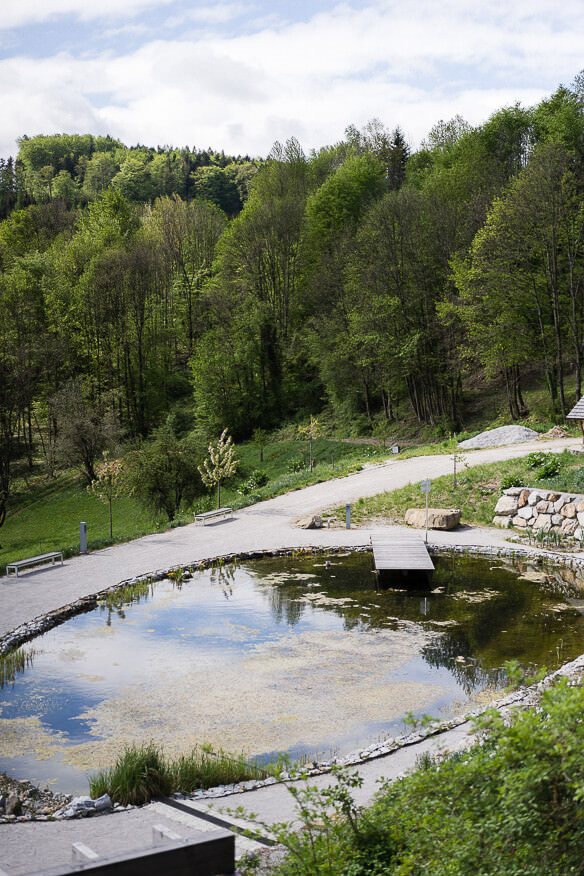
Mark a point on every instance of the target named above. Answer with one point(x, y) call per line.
point(301, 655)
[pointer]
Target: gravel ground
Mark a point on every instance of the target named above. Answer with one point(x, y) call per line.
point(499, 437)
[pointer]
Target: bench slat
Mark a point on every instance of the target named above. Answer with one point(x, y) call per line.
point(33, 561)
point(208, 515)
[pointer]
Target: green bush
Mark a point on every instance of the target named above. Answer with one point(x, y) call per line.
point(511, 480)
point(256, 480)
point(549, 469)
point(537, 459)
point(513, 804)
point(295, 465)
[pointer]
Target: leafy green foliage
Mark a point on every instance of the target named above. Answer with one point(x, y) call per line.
point(511, 480)
point(256, 480)
point(548, 465)
point(164, 472)
point(510, 805)
point(537, 459)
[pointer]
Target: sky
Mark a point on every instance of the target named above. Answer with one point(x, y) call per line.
point(241, 75)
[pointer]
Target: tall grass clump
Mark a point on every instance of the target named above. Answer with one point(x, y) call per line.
point(204, 768)
point(142, 772)
point(138, 775)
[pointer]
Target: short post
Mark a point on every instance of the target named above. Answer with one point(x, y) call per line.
point(83, 538)
point(82, 854)
point(348, 516)
point(426, 486)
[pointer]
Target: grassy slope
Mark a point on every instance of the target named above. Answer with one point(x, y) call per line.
point(46, 516)
point(476, 493)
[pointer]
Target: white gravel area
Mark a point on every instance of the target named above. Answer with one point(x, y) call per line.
point(499, 437)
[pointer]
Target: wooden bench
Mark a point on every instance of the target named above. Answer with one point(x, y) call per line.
point(34, 561)
point(210, 515)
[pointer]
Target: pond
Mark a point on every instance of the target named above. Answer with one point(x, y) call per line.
point(301, 655)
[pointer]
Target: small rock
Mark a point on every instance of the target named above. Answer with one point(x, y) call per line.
point(103, 803)
point(312, 522)
point(13, 804)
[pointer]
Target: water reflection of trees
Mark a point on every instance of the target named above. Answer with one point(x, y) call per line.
point(224, 577)
point(446, 652)
point(511, 620)
point(285, 605)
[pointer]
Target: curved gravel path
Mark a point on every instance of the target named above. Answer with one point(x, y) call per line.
point(27, 847)
point(265, 526)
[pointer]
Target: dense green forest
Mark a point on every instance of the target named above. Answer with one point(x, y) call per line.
point(144, 288)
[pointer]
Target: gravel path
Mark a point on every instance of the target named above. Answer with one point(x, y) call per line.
point(26, 847)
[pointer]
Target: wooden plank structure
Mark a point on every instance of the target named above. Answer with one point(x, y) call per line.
point(402, 556)
point(577, 413)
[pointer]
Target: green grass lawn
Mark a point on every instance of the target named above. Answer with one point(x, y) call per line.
point(46, 515)
point(53, 523)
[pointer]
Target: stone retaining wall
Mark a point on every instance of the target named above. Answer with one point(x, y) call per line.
point(546, 510)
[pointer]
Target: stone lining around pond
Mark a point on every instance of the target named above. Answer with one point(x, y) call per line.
point(572, 574)
point(541, 511)
point(573, 566)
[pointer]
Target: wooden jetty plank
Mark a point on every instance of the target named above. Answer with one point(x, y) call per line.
point(401, 552)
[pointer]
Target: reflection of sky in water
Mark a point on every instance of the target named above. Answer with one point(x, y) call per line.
point(461, 634)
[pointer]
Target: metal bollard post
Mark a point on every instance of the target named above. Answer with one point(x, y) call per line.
point(83, 538)
point(348, 516)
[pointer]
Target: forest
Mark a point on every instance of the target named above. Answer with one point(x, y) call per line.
point(190, 291)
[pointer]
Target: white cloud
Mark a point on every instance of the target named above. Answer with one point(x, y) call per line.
point(25, 12)
point(406, 64)
point(218, 13)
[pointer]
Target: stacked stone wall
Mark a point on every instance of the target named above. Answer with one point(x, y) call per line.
point(546, 510)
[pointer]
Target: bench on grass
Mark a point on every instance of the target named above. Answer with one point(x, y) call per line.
point(210, 515)
point(34, 561)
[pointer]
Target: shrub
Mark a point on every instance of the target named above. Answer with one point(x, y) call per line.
point(256, 480)
point(536, 459)
point(549, 469)
point(511, 480)
point(510, 805)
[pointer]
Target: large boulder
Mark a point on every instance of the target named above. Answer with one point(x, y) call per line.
point(438, 518)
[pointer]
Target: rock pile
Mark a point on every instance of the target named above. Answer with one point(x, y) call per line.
point(498, 437)
point(543, 510)
point(22, 801)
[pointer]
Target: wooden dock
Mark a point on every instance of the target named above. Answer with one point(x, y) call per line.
point(401, 553)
